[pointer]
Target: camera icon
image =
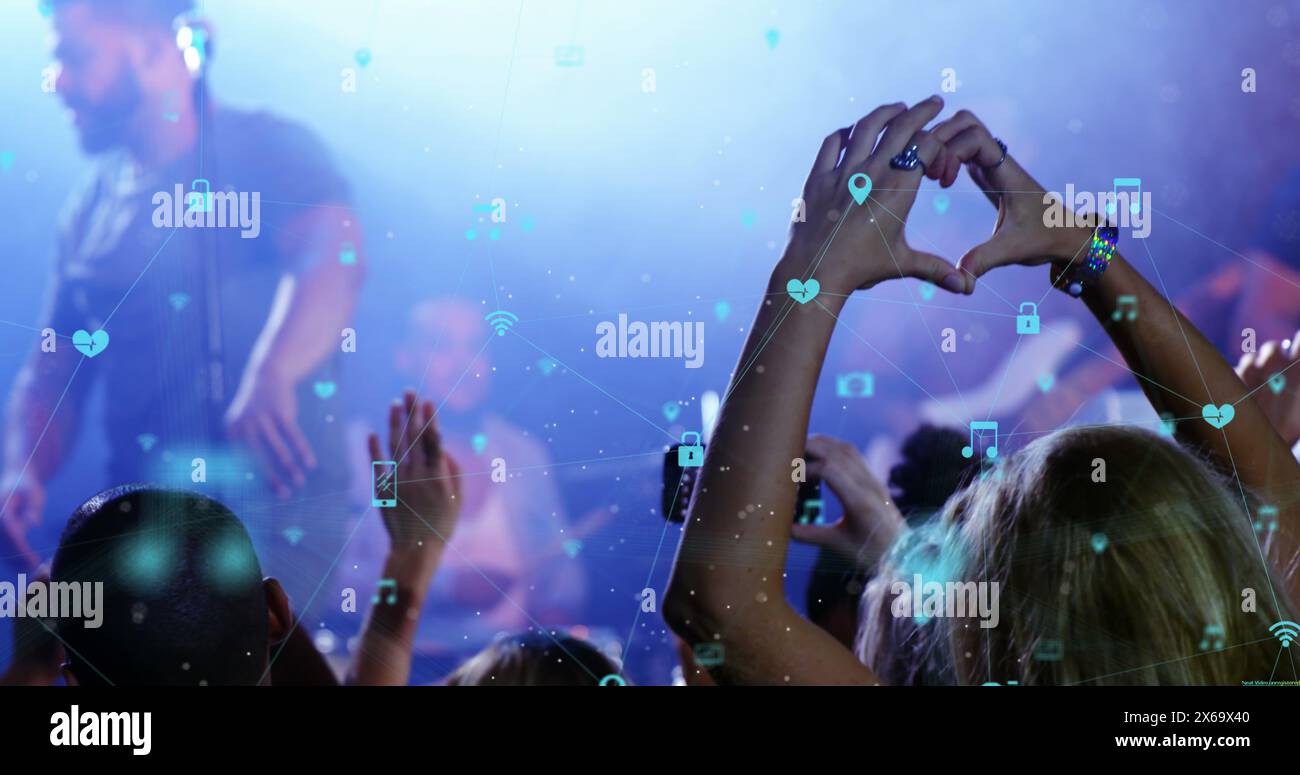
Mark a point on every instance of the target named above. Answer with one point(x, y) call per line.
point(857, 384)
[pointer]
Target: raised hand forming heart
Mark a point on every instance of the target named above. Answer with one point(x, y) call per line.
point(855, 246)
point(848, 244)
point(1020, 233)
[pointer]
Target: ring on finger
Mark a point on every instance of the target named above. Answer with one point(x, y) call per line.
point(909, 159)
point(1002, 147)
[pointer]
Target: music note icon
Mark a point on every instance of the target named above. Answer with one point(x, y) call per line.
point(391, 585)
point(1213, 638)
point(494, 211)
point(1135, 198)
point(982, 425)
point(1267, 522)
point(1120, 303)
point(812, 512)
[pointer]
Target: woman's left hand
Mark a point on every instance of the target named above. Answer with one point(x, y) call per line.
point(845, 245)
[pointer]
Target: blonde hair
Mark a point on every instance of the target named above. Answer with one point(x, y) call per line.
point(1137, 579)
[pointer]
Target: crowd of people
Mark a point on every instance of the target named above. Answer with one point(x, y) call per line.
point(1110, 579)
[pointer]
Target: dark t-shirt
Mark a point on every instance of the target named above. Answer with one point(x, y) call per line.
point(184, 306)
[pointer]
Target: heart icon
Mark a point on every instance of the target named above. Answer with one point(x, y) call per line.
point(803, 292)
point(1218, 416)
point(1276, 383)
point(671, 410)
point(89, 344)
point(1099, 542)
point(1045, 382)
point(927, 291)
point(325, 389)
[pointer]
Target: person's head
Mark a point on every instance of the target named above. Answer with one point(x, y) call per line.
point(443, 338)
point(184, 602)
point(931, 470)
point(117, 60)
point(1120, 558)
point(535, 659)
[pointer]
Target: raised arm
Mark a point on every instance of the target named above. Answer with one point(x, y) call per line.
point(419, 527)
point(727, 583)
point(1178, 369)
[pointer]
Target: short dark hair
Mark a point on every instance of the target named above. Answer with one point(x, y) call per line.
point(535, 659)
point(931, 470)
point(182, 601)
point(160, 12)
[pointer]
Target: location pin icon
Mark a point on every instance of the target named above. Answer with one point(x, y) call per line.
point(859, 187)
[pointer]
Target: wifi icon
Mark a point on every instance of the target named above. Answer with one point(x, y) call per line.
point(1286, 631)
point(146, 441)
point(501, 320)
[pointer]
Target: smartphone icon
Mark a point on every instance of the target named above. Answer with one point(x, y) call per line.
point(384, 480)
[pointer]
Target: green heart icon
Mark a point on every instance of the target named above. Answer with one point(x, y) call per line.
point(803, 291)
point(89, 344)
point(1218, 416)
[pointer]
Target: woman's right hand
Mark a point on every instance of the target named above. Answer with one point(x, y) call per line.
point(427, 483)
point(1020, 234)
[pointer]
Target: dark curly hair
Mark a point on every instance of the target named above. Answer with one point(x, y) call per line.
point(932, 470)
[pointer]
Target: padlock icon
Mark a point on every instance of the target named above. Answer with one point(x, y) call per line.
point(200, 196)
point(690, 455)
point(1027, 322)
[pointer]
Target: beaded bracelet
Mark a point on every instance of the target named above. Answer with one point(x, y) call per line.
point(1100, 252)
